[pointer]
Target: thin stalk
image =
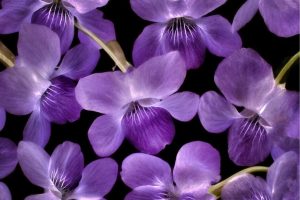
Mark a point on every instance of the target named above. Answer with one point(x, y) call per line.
point(217, 189)
point(7, 58)
point(286, 67)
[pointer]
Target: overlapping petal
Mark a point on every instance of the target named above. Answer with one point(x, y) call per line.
point(44, 196)
point(8, 157)
point(84, 6)
point(147, 193)
point(196, 8)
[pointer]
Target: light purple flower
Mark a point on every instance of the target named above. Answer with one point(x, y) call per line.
point(63, 175)
point(38, 84)
point(282, 182)
point(268, 111)
point(59, 15)
point(197, 166)
point(281, 16)
point(181, 25)
point(137, 105)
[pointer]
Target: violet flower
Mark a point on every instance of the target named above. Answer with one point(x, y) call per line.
point(137, 105)
point(181, 25)
point(197, 166)
point(39, 85)
point(282, 182)
point(63, 175)
point(59, 15)
point(247, 81)
point(2, 118)
point(281, 16)
point(8, 162)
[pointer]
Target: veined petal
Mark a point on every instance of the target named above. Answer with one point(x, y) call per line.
point(84, 6)
point(2, 118)
point(8, 157)
point(44, 196)
point(4, 192)
point(148, 193)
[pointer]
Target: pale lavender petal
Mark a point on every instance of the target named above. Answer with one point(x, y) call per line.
point(147, 193)
point(245, 79)
point(197, 166)
point(8, 157)
point(4, 192)
point(182, 106)
point(44, 196)
point(153, 79)
point(281, 16)
point(105, 135)
point(2, 118)
point(196, 8)
point(140, 169)
point(34, 162)
point(103, 92)
point(216, 113)
point(37, 129)
point(283, 144)
point(246, 186)
point(84, 6)
point(97, 179)
point(66, 165)
point(38, 49)
point(218, 36)
point(245, 13)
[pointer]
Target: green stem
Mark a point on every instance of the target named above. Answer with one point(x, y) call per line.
point(7, 58)
point(217, 189)
point(120, 62)
point(286, 67)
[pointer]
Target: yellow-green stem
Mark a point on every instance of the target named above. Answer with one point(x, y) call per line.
point(286, 67)
point(216, 189)
point(7, 58)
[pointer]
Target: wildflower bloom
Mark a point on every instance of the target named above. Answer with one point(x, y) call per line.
point(181, 25)
point(281, 16)
point(282, 182)
point(247, 81)
point(137, 105)
point(197, 166)
point(63, 175)
point(39, 85)
point(59, 15)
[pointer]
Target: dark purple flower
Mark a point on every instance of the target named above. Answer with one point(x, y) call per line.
point(2, 118)
point(180, 25)
point(137, 105)
point(281, 16)
point(40, 85)
point(59, 15)
point(247, 81)
point(197, 166)
point(282, 182)
point(63, 175)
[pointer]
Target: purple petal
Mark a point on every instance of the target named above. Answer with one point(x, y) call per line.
point(246, 186)
point(22, 3)
point(58, 103)
point(140, 169)
point(216, 113)
point(34, 162)
point(103, 92)
point(283, 144)
point(218, 36)
point(245, 79)
point(182, 106)
point(197, 9)
point(97, 179)
point(66, 165)
point(147, 193)
point(281, 17)
point(149, 129)
point(8, 157)
point(245, 13)
point(37, 129)
point(84, 6)
point(105, 135)
point(4, 192)
point(2, 118)
point(197, 166)
point(20, 90)
point(248, 142)
point(44, 196)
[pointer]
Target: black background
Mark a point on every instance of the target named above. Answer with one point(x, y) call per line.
point(128, 26)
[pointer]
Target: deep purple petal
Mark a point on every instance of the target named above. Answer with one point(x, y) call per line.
point(58, 103)
point(97, 179)
point(37, 129)
point(140, 169)
point(8, 157)
point(34, 162)
point(218, 36)
point(2, 118)
point(22, 3)
point(281, 16)
point(149, 129)
point(182, 106)
point(105, 135)
point(44, 196)
point(245, 79)
point(4, 192)
point(147, 193)
point(248, 142)
point(245, 13)
point(216, 113)
point(66, 165)
point(246, 186)
point(198, 8)
point(197, 166)
point(84, 6)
